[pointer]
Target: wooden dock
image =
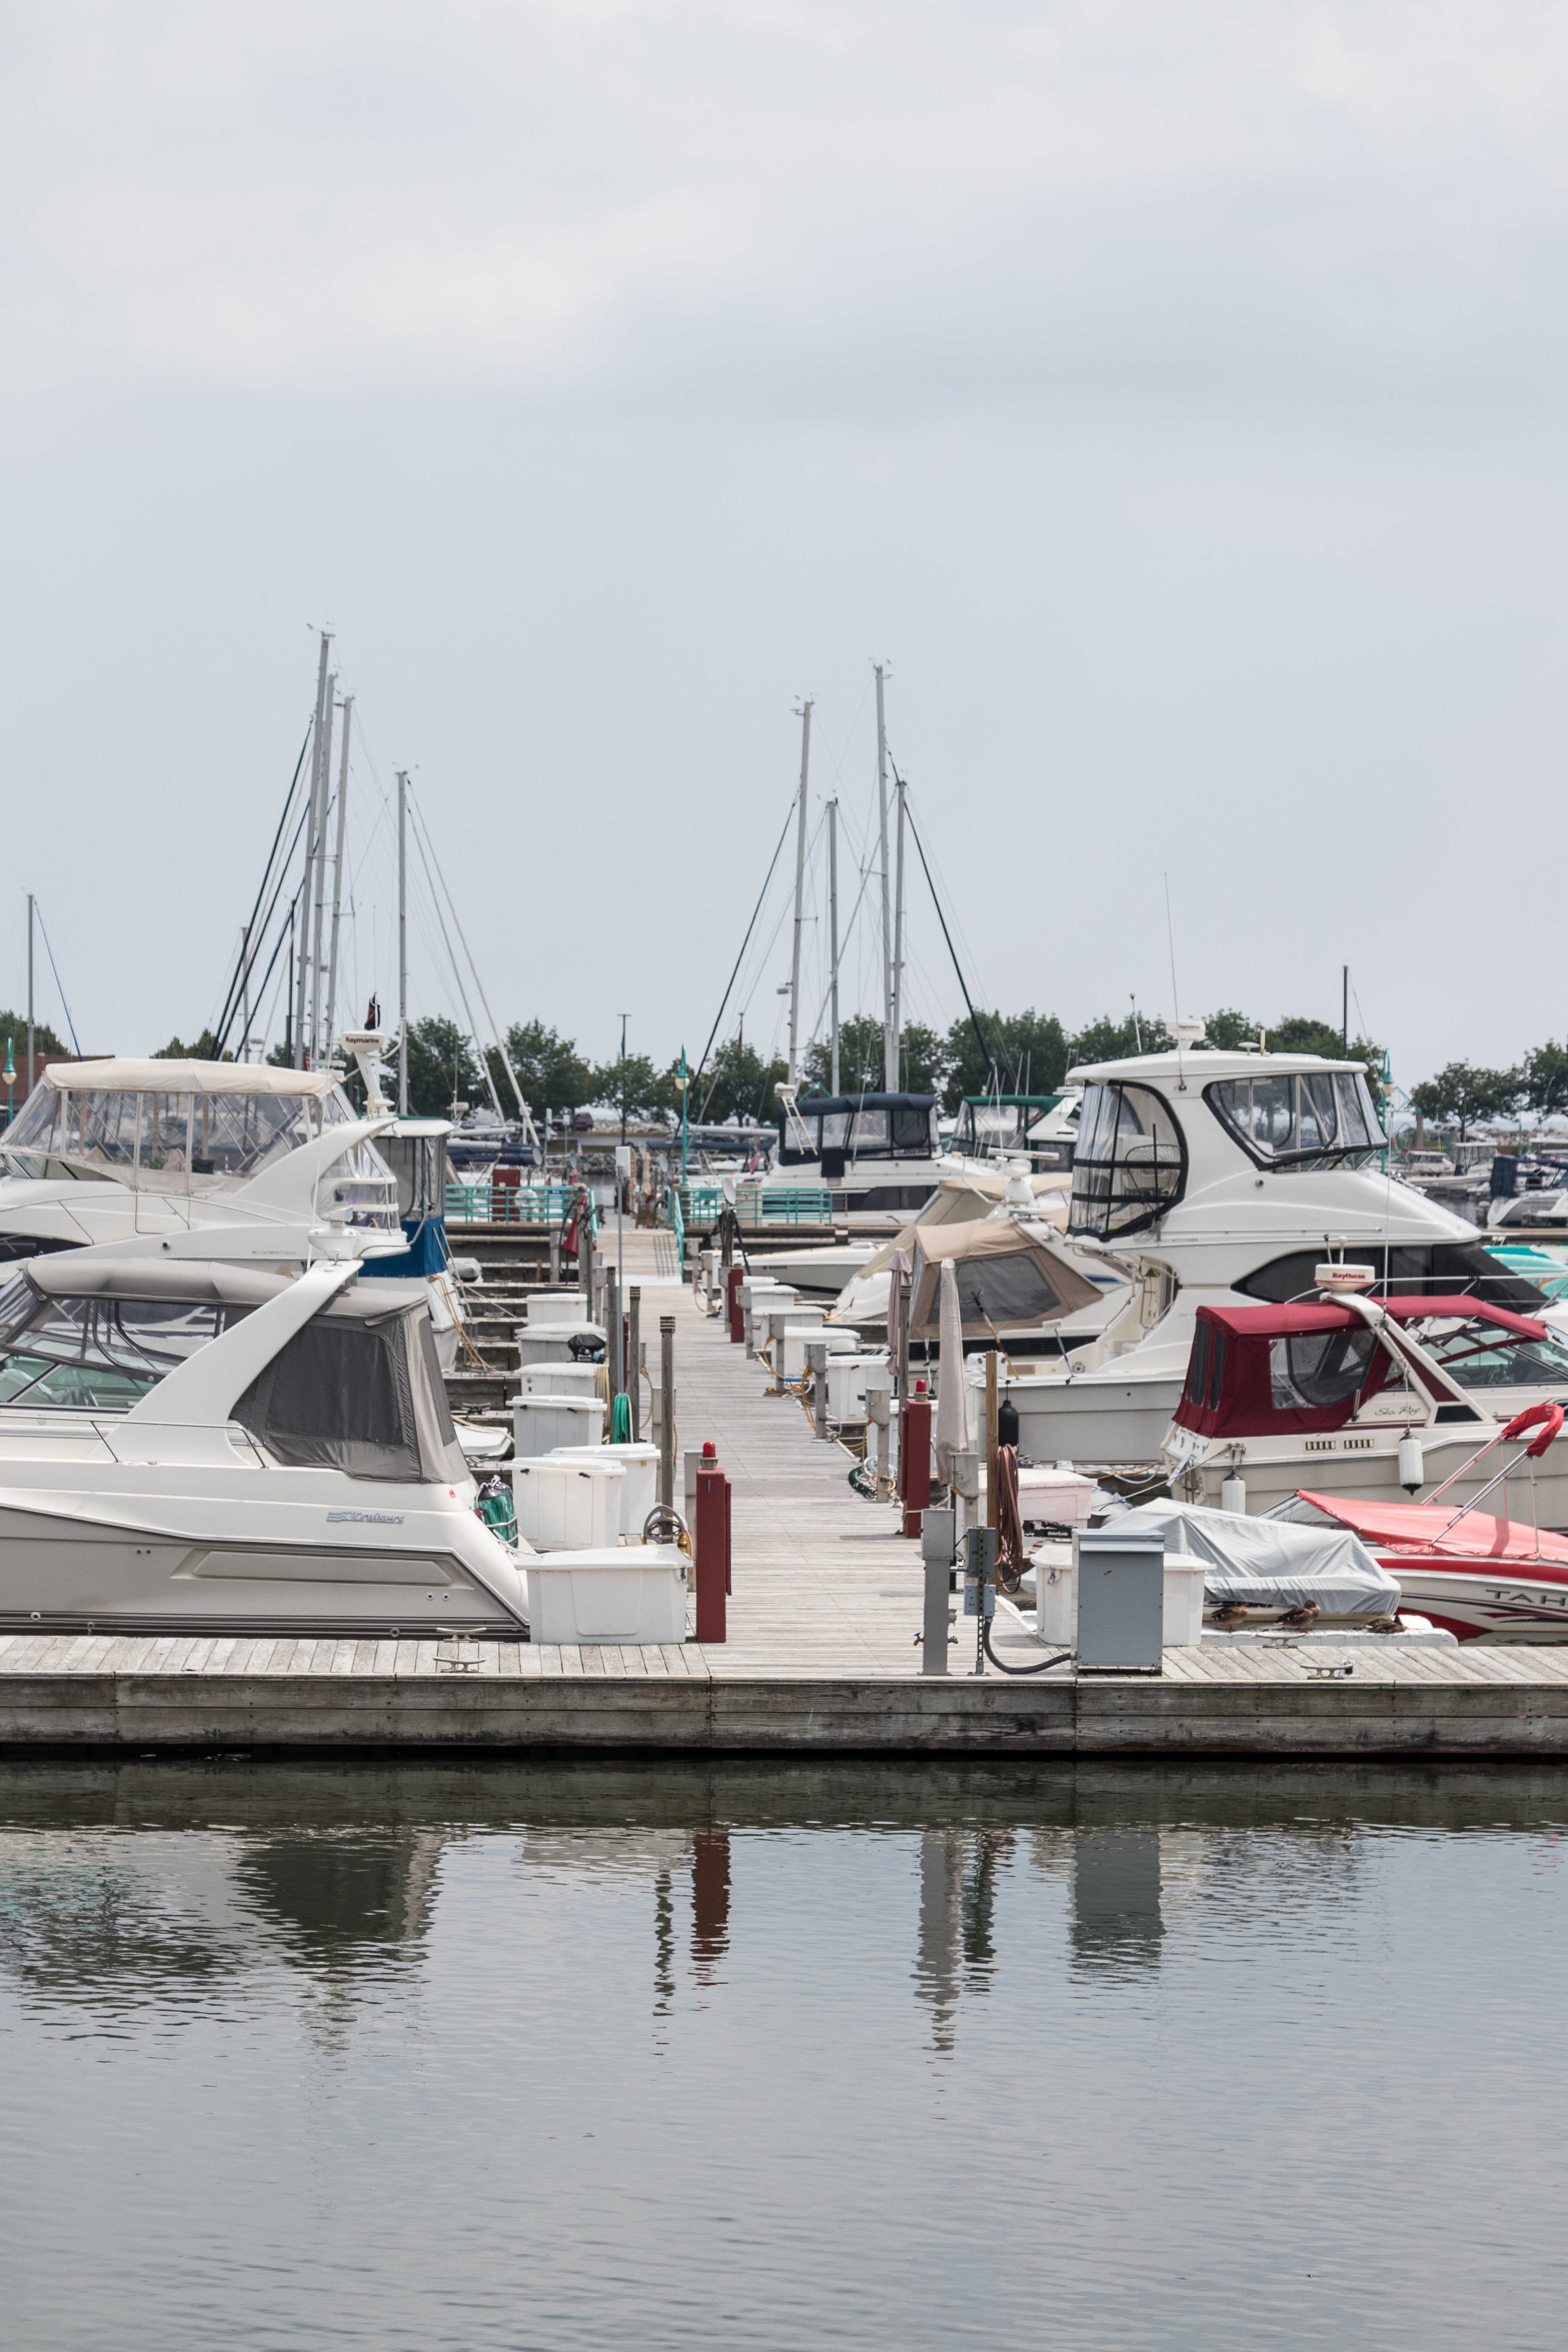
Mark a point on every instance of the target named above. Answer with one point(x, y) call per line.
point(822, 1655)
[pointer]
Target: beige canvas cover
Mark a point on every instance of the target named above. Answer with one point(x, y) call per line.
point(123, 1077)
point(1009, 1278)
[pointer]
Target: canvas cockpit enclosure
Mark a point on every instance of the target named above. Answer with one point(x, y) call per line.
point(359, 1389)
point(1258, 1371)
point(1008, 1279)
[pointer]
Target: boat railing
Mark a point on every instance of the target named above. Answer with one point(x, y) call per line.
point(758, 1208)
point(489, 1204)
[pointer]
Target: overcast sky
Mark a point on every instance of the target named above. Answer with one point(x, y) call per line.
point(1173, 396)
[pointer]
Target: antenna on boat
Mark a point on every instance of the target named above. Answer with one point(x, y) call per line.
point(832, 929)
point(799, 893)
point(889, 1041)
point(1175, 999)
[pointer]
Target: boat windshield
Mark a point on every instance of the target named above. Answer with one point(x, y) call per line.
point(1314, 1118)
point(96, 1355)
point(164, 1142)
point(1130, 1162)
point(1483, 1356)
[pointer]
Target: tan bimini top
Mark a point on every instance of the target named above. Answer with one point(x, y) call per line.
point(169, 1126)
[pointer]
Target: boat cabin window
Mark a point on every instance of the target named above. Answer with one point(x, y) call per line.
point(1130, 1164)
point(1483, 1356)
point(1308, 1120)
point(870, 1126)
point(163, 1141)
point(1310, 1370)
point(362, 1396)
point(1407, 1273)
point(96, 1355)
point(1005, 1291)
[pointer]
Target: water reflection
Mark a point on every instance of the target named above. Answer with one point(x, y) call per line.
point(1116, 1920)
point(108, 1901)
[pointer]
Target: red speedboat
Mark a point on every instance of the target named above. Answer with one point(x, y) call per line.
point(1483, 1579)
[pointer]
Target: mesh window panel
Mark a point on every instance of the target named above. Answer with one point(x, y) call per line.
point(338, 1396)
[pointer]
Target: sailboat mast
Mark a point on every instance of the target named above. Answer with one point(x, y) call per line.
point(317, 907)
point(799, 896)
point(889, 1049)
point(30, 1070)
point(833, 931)
point(403, 942)
point(338, 876)
point(898, 940)
point(310, 831)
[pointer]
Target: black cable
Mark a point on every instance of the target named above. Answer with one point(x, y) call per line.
point(247, 953)
point(751, 926)
point(1045, 1665)
point(282, 878)
point(947, 935)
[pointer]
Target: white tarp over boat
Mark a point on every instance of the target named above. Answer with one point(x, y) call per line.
point(1271, 1563)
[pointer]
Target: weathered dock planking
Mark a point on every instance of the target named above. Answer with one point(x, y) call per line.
point(822, 1655)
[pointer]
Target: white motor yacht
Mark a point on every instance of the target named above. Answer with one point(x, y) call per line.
point(195, 1442)
point(107, 1151)
point(1217, 1178)
point(879, 1155)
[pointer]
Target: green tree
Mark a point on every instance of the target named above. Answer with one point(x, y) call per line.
point(1110, 1040)
point(204, 1050)
point(1229, 1030)
point(644, 1090)
point(550, 1070)
point(1462, 1093)
point(1298, 1034)
point(14, 1027)
point(1024, 1053)
point(1545, 1076)
point(737, 1083)
point(441, 1068)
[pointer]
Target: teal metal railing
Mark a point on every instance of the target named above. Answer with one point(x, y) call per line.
point(510, 1204)
point(758, 1209)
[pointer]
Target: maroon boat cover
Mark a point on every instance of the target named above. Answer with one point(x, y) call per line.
point(1255, 1371)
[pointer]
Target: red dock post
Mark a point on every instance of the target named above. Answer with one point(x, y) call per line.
point(733, 1281)
point(914, 1458)
point(711, 1563)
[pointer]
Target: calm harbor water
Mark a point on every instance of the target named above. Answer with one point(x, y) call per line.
point(494, 2056)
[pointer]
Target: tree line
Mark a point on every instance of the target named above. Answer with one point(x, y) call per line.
point(1023, 1053)
point(1464, 1092)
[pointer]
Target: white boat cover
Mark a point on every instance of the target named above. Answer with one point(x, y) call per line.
point(1272, 1563)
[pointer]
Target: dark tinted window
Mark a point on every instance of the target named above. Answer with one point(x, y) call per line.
point(1408, 1273)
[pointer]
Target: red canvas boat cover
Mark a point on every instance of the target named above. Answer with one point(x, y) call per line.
point(1257, 1371)
point(1420, 1527)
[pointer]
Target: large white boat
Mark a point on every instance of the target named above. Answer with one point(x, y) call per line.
point(1211, 1178)
point(109, 1150)
point(191, 1442)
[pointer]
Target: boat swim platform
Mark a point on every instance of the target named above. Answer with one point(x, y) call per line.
point(823, 1655)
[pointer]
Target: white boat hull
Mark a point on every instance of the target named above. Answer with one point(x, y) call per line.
point(109, 1559)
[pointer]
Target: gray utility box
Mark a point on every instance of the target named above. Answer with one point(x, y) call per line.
point(1120, 1599)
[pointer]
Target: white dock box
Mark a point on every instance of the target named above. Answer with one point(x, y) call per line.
point(549, 1308)
point(567, 1505)
point(790, 1345)
point(635, 1592)
point(766, 1304)
point(561, 1379)
point(552, 1344)
point(639, 1487)
point(1056, 1598)
point(540, 1424)
point(846, 1385)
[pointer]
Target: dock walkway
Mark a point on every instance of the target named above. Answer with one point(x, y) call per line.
point(822, 1653)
